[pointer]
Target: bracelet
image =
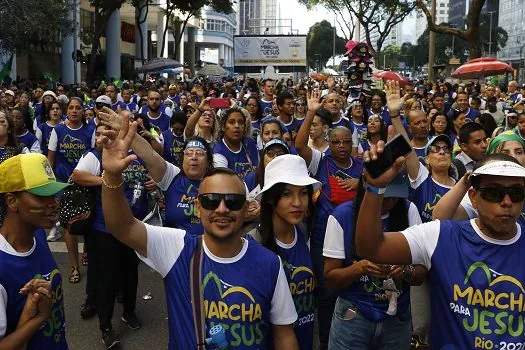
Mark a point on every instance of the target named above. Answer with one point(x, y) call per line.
point(394, 116)
point(409, 272)
point(375, 190)
point(200, 110)
point(108, 186)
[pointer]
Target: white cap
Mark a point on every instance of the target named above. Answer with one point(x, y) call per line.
point(103, 99)
point(501, 168)
point(9, 92)
point(49, 93)
point(289, 169)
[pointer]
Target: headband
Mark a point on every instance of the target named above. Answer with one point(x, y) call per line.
point(503, 137)
point(195, 144)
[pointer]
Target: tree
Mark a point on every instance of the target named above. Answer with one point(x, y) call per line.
point(189, 9)
point(30, 24)
point(471, 34)
point(319, 43)
point(389, 57)
point(377, 17)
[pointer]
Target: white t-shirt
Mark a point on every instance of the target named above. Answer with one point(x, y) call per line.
point(165, 244)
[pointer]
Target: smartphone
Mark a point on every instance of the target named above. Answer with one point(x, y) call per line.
point(219, 103)
point(395, 148)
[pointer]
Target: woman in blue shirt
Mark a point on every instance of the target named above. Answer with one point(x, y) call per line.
point(43, 130)
point(67, 143)
point(286, 200)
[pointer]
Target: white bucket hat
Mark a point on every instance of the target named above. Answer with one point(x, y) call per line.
point(289, 169)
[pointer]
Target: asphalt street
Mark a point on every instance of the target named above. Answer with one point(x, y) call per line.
point(85, 334)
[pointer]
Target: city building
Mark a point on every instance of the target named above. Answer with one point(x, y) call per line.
point(458, 10)
point(257, 17)
point(512, 19)
point(127, 43)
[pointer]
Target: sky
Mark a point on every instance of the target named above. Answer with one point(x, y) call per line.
point(302, 19)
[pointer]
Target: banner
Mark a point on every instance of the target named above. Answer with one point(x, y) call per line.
point(270, 50)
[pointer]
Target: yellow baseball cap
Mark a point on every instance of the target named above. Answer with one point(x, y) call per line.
point(29, 172)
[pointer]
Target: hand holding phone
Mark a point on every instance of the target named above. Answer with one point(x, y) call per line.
point(219, 103)
point(393, 149)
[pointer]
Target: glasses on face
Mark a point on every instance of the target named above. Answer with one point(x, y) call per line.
point(358, 106)
point(497, 194)
point(233, 201)
point(197, 153)
point(343, 142)
point(101, 105)
point(272, 153)
point(251, 105)
point(299, 103)
point(437, 149)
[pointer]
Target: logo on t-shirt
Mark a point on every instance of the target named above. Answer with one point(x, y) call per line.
point(72, 148)
point(429, 207)
point(236, 309)
point(301, 283)
point(54, 327)
point(491, 305)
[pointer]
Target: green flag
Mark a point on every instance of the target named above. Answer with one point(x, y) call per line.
point(47, 76)
point(6, 69)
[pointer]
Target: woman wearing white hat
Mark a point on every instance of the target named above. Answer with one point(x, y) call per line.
point(42, 110)
point(285, 203)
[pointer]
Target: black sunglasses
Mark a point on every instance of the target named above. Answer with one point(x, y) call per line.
point(496, 194)
point(233, 201)
point(101, 105)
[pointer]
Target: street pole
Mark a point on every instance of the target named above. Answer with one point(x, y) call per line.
point(432, 45)
point(75, 42)
point(333, 48)
point(490, 33)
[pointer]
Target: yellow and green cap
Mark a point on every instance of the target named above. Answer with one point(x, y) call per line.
point(29, 172)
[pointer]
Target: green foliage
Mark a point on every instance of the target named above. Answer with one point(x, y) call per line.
point(378, 16)
point(27, 23)
point(319, 43)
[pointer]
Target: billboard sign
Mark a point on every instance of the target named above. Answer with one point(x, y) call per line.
point(270, 50)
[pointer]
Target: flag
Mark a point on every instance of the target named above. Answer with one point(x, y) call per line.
point(6, 69)
point(47, 76)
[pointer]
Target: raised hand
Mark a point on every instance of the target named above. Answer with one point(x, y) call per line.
point(394, 101)
point(330, 83)
point(111, 119)
point(384, 179)
point(116, 146)
point(313, 101)
point(205, 104)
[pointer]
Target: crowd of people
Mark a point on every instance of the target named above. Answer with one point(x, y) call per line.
point(267, 216)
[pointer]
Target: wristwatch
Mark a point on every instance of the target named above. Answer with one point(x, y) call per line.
point(375, 190)
point(409, 271)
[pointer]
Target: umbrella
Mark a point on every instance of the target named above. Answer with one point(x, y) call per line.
point(482, 67)
point(390, 75)
point(329, 71)
point(158, 65)
point(212, 70)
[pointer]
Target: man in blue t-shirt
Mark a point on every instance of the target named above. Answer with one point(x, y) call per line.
point(476, 279)
point(244, 287)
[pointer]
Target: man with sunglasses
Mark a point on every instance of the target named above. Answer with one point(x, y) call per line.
point(243, 285)
point(476, 279)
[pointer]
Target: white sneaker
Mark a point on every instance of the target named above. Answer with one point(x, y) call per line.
point(54, 235)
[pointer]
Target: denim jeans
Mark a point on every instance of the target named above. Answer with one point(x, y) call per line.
point(325, 297)
point(362, 334)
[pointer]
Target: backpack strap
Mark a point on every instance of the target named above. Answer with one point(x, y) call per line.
point(197, 294)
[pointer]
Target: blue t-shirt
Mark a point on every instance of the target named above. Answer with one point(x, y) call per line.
point(71, 145)
point(297, 265)
point(181, 211)
point(426, 192)
point(131, 106)
point(173, 148)
point(118, 104)
point(45, 129)
point(292, 127)
point(237, 294)
point(367, 293)
point(361, 130)
point(134, 176)
point(343, 122)
point(266, 107)
point(476, 285)
point(324, 207)
point(162, 121)
point(27, 139)
point(243, 161)
point(15, 272)
point(145, 108)
point(256, 129)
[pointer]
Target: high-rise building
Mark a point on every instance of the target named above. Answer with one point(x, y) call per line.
point(257, 17)
point(395, 37)
point(442, 11)
point(511, 18)
point(458, 10)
